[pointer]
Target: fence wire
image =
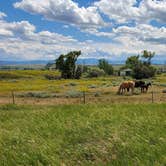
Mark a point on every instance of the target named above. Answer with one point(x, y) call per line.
point(45, 98)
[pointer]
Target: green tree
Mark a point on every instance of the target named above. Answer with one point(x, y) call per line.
point(78, 72)
point(108, 68)
point(67, 64)
point(60, 62)
point(132, 61)
point(147, 55)
point(143, 71)
point(141, 68)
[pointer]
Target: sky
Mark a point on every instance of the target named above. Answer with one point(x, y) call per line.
point(111, 29)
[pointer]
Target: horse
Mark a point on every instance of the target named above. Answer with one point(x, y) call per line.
point(126, 85)
point(145, 87)
point(138, 84)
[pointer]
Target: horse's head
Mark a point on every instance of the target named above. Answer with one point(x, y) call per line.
point(149, 84)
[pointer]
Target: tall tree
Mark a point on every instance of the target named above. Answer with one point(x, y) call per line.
point(67, 64)
point(108, 68)
point(132, 61)
point(148, 55)
point(141, 69)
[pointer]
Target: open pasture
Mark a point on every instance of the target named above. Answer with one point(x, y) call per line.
point(33, 87)
point(96, 134)
point(48, 126)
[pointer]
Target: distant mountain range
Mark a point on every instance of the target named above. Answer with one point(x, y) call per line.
point(34, 62)
point(88, 61)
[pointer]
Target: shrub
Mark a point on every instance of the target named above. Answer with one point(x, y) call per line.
point(8, 75)
point(95, 72)
point(72, 84)
point(73, 94)
point(143, 71)
point(92, 86)
point(97, 94)
point(52, 77)
point(37, 95)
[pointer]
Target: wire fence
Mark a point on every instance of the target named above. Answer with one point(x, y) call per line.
point(42, 98)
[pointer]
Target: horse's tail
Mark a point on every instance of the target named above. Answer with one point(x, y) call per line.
point(119, 90)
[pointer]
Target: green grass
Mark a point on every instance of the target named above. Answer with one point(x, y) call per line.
point(34, 80)
point(83, 135)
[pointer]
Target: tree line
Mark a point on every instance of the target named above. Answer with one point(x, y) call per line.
point(140, 64)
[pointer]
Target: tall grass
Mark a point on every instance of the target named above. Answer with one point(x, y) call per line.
point(83, 135)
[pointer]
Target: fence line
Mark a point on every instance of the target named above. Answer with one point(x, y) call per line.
point(87, 97)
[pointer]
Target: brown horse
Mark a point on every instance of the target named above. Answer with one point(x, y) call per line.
point(126, 85)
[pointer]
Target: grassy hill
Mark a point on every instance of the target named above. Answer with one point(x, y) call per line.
point(83, 135)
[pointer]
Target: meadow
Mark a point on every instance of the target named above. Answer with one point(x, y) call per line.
point(49, 125)
point(34, 87)
point(95, 134)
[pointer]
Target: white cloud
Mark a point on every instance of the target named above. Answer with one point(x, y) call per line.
point(63, 10)
point(153, 10)
point(125, 11)
point(118, 10)
point(2, 15)
point(20, 40)
point(143, 32)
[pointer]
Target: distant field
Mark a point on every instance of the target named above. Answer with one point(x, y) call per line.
point(31, 80)
point(124, 134)
point(33, 87)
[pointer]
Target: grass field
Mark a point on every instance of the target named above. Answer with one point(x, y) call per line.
point(34, 80)
point(32, 87)
point(119, 135)
point(48, 126)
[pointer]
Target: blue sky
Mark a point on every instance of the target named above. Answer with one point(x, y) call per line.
point(112, 29)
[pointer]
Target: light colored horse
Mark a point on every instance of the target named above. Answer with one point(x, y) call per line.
point(126, 85)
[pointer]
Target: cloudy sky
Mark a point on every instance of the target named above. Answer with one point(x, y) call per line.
point(113, 29)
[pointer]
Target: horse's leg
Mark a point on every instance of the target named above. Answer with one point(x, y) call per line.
point(123, 90)
point(147, 89)
point(119, 90)
point(132, 90)
point(142, 90)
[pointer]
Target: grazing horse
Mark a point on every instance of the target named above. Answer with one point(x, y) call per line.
point(145, 87)
point(138, 84)
point(126, 85)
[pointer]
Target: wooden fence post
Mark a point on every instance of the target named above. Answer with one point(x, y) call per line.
point(84, 96)
point(152, 97)
point(13, 97)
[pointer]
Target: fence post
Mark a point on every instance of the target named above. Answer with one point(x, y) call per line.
point(152, 97)
point(84, 96)
point(13, 97)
